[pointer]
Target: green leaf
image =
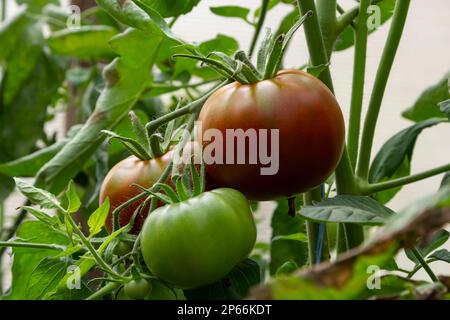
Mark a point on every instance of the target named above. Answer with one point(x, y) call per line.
point(427, 105)
point(445, 107)
point(232, 12)
point(22, 120)
point(283, 251)
point(42, 216)
point(222, 43)
point(286, 268)
point(394, 158)
point(97, 220)
point(140, 15)
point(30, 164)
point(171, 8)
point(293, 287)
point(130, 144)
point(11, 31)
point(348, 209)
point(86, 42)
point(26, 259)
point(292, 237)
point(234, 286)
point(438, 240)
point(36, 5)
point(38, 196)
point(45, 277)
point(441, 255)
point(73, 199)
point(126, 77)
point(346, 39)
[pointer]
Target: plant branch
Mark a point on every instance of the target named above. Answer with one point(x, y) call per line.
point(346, 19)
point(17, 244)
point(387, 59)
point(262, 18)
point(381, 186)
point(109, 288)
point(102, 263)
point(424, 264)
point(359, 71)
point(191, 107)
point(345, 179)
point(140, 196)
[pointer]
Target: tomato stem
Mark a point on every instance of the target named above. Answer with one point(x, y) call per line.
point(109, 288)
point(262, 18)
point(345, 179)
point(369, 189)
point(18, 244)
point(379, 87)
point(359, 69)
point(424, 264)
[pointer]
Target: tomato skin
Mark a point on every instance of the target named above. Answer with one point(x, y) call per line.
point(117, 186)
point(137, 289)
point(198, 241)
point(311, 133)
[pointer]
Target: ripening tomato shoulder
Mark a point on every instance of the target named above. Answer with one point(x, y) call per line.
point(198, 241)
point(310, 127)
point(118, 185)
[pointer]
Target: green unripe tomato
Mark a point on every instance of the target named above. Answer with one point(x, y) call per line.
point(121, 295)
point(122, 248)
point(137, 289)
point(198, 241)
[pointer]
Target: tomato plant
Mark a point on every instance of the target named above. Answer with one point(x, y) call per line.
point(116, 209)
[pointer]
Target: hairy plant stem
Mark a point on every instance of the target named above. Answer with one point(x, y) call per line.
point(359, 71)
point(424, 264)
point(345, 179)
point(258, 28)
point(189, 108)
point(381, 79)
point(102, 263)
point(312, 230)
point(381, 186)
point(109, 288)
point(17, 244)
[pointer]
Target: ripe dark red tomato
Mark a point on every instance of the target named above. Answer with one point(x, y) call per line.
point(311, 133)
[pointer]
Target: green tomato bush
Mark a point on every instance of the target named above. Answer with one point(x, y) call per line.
point(130, 87)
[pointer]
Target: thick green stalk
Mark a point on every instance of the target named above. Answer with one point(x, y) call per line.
point(262, 18)
point(359, 71)
point(312, 229)
point(326, 13)
point(377, 187)
point(345, 180)
point(109, 288)
point(424, 264)
point(387, 59)
point(16, 244)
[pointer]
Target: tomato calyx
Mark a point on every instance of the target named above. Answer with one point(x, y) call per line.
point(148, 144)
point(240, 68)
point(190, 185)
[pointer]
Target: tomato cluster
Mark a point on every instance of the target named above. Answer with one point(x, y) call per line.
point(197, 241)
